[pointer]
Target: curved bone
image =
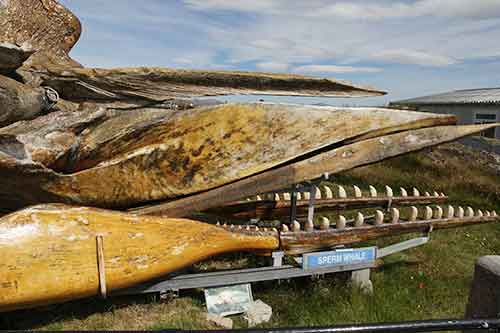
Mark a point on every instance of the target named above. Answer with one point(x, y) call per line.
point(49, 252)
point(357, 192)
point(336, 160)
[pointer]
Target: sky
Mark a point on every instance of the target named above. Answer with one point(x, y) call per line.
point(408, 48)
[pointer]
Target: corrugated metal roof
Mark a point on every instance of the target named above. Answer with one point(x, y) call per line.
point(469, 96)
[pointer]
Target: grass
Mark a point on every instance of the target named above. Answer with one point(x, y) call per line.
point(431, 281)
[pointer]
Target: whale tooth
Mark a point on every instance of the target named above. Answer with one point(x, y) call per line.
point(469, 212)
point(317, 195)
point(403, 192)
point(438, 213)
point(487, 213)
point(299, 196)
point(494, 213)
point(373, 191)
point(460, 212)
point(256, 228)
point(224, 225)
point(287, 196)
point(247, 228)
point(277, 197)
point(428, 213)
point(442, 194)
point(413, 214)
point(274, 230)
point(295, 226)
point(435, 194)
point(379, 217)
point(388, 191)
point(416, 192)
point(306, 195)
point(451, 212)
point(240, 227)
point(395, 215)
point(324, 224)
point(284, 228)
point(309, 226)
point(427, 194)
point(479, 213)
point(341, 222)
point(342, 192)
point(328, 192)
point(218, 224)
point(231, 226)
point(259, 198)
point(359, 220)
point(357, 192)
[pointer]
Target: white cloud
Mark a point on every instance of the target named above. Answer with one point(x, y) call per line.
point(335, 69)
point(272, 66)
point(235, 5)
point(413, 57)
point(476, 9)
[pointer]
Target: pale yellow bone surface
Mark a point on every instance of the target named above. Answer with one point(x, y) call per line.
point(48, 253)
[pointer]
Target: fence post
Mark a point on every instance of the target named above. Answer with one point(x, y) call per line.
point(484, 298)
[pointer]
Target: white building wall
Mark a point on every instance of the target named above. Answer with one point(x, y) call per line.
point(467, 114)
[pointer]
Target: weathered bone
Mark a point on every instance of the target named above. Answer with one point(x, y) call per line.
point(342, 192)
point(317, 193)
point(469, 212)
point(395, 215)
point(341, 222)
point(438, 213)
point(416, 192)
point(296, 226)
point(428, 213)
point(403, 192)
point(357, 192)
point(451, 212)
point(359, 220)
point(286, 196)
point(276, 210)
point(328, 192)
point(388, 191)
point(379, 217)
point(414, 214)
point(325, 223)
point(373, 191)
point(427, 194)
point(460, 212)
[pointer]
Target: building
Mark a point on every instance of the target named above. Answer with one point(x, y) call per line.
point(472, 106)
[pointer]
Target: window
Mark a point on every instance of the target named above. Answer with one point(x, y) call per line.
point(486, 116)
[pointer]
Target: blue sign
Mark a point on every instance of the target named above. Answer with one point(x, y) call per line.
point(341, 257)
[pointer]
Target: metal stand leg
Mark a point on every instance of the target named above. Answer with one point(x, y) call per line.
point(293, 204)
point(361, 280)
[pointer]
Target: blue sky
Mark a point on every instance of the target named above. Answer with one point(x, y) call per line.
point(408, 48)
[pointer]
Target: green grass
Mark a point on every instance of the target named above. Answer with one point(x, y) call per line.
point(431, 281)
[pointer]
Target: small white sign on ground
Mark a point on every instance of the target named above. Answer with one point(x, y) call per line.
point(229, 300)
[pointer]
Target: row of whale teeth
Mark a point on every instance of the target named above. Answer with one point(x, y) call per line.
point(341, 193)
point(240, 227)
point(428, 214)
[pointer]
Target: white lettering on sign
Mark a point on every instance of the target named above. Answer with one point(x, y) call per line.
point(341, 257)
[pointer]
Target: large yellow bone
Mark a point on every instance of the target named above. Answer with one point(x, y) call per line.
point(48, 253)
